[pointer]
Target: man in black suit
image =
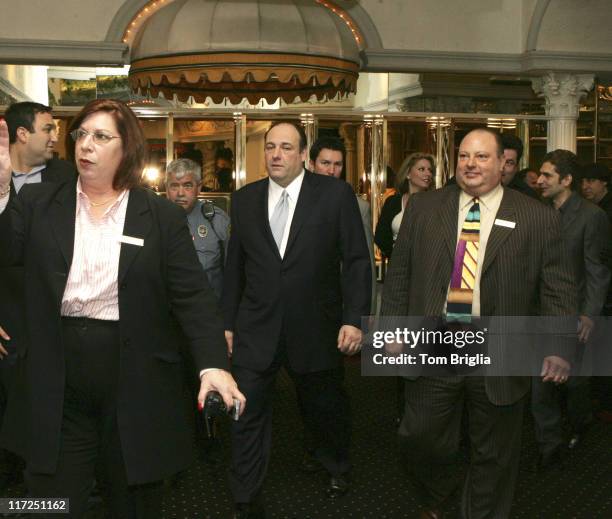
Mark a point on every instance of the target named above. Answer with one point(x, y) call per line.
point(595, 183)
point(586, 236)
point(32, 138)
point(297, 285)
point(519, 271)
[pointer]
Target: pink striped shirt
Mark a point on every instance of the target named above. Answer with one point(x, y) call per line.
point(91, 290)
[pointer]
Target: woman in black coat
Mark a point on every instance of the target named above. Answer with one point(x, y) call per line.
point(109, 267)
point(415, 174)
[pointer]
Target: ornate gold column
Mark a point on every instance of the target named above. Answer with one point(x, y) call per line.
point(309, 122)
point(347, 132)
point(169, 138)
point(240, 158)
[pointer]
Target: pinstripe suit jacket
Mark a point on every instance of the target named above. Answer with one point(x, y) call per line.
point(525, 270)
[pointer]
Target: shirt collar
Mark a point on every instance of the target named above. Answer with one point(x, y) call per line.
point(488, 200)
point(293, 189)
point(34, 170)
point(196, 208)
point(571, 201)
point(111, 212)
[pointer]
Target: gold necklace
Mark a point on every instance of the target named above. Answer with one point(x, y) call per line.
point(98, 204)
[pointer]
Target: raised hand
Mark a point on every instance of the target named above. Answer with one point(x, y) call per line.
point(5, 158)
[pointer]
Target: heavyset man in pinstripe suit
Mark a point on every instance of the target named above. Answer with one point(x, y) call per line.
point(520, 271)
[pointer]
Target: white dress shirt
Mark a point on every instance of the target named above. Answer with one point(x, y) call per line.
point(91, 290)
point(274, 193)
point(489, 205)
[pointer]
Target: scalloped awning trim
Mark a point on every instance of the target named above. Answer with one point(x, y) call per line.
point(235, 76)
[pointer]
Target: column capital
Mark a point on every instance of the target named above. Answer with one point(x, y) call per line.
point(563, 92)
point(347, 133)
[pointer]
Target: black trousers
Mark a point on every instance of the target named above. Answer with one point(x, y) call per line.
point(430, 434)
point(547, 413)
point(90, 446)
point(325, 409)
point(10, 463)
point(602, 361)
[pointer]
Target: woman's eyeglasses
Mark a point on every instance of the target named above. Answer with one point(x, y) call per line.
point(99, 137)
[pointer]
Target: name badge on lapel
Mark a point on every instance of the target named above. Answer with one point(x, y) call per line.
point(505, 223)
point(130, 240)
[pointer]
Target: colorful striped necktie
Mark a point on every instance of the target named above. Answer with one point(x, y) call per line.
point(463, 280)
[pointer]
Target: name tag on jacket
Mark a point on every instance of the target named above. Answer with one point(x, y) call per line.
point(505, 223)
point(130, 240)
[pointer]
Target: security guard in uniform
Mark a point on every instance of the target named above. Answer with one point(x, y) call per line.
point(208, 224)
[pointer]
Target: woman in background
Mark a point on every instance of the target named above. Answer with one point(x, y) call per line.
point(414, 175)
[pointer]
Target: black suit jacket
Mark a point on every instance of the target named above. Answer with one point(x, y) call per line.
point(525, 270)
point(586, 234)
point(383, 237)
point(161, 278)
point(322, 282)
point(521, 186)
point(606, 204)
point(12, 317)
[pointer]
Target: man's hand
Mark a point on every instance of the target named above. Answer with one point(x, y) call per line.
point(229, 338)
point(5, 336)
point(555, 369)
point(223, 382)
point(349, 339)
point(394, 348)
point(585, 327)
point(5, 159)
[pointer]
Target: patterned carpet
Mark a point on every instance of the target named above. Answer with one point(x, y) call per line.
point(582, 490)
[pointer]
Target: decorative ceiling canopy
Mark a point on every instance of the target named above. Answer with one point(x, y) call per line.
point(235, 49)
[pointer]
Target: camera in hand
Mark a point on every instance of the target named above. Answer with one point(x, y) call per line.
point(215, 406)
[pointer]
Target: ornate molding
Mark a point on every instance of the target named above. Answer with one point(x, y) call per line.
point(531, 62)
point(399, 60)
point(539, 61)
point(62, 52)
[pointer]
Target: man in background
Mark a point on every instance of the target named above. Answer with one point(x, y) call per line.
point(595, 188)
point(209, 225)
point(327, 156)
point(585, 235)
point(513, 152)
